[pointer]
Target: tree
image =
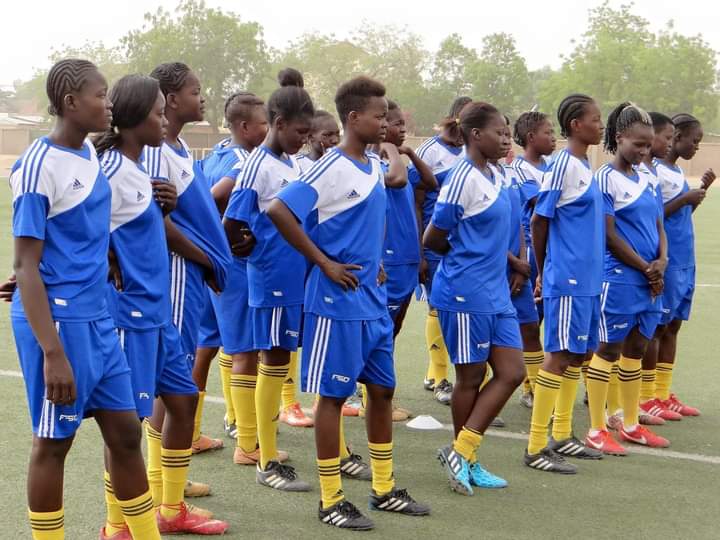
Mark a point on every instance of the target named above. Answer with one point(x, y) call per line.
point(226, 53)
point(450, 66)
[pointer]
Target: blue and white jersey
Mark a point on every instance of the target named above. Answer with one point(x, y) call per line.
point(571, 200)
point(632, 201)
point(651, 171)
point(529, 178)
point(61, 196)
point(137, 227)
point(510, 182)
point(222, 160)
point(346, 201)
point(402, 239)
point(195, 213)
point(678, 226)
point(472, 275)
point(275, 268)
point(304, 162)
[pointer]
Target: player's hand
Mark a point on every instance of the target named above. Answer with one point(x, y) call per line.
point(244, 247)
point(696, 196)
point(8, 288)
point(517, 280)
point(657, 287)
point(212, 282)
point(388, 150)
point(656, 270)
point(59, 379)
point(165, 193)
point(342, 274)
point(523, 267)
point(404, 150)
point(537, 293)
point(423, 270)
point(707, 179)
point(114, 274)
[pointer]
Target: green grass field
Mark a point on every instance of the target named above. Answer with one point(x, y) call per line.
point(669, 495)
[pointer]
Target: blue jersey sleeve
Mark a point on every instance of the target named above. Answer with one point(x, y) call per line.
point(300, 197)
point(607, 191)
point(243, 205)
point(547, 203)
point(30, 212)
point(552, 187)
point(446, 216)
point(413, 176)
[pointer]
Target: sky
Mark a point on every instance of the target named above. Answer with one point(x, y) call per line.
point(543, 30)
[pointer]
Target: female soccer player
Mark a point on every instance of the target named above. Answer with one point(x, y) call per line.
point(635, 262)
point(140, 296)
point(534, 132)
point(568, 241)
point(69, 352)
point(275, 270)
point(470, 227)
point(325, 134)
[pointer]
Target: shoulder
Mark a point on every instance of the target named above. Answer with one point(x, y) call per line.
point(253, 166)
point(111, 162)
point(605, 177)
point(455, 183)
point(324, 168)
point(30, 167)
point(427, 148)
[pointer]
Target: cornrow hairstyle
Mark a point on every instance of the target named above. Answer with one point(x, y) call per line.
point(451, 122)
point(571, 108)
point(660, 120)
point(133, 98)
point(392, 105)
point(239, 105)
point(622, 118)
point(171, 75)
point(684, 121)
point(290, 77)
point(355, 94)
point(475, 115)
point(458, 104)
point(527, 122)
point(66, 76)
point(290, 102)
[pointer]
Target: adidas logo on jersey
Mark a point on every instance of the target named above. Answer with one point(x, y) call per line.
point(184, 174)
point(284, 183)
point(582, 184)
point(627, 195)
point(77, 185)
point(140, 197)
point(485, 198)
point(353, 195)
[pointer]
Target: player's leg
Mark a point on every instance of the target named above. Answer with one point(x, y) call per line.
point(203, 358)
point(436, 378)
point(533, 356)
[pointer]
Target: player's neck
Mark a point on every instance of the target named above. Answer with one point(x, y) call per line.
point(532, 156)
point(67, 134)
point(577, 148)
point(671, 158)
point(130, 147)
point(622, 165)
point(273, 143)
point(315, 154)
point(353, 146)
point(174, 128)
point(236, 140)
point(477, 158)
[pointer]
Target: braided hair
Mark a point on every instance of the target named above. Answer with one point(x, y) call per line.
point(171, 76)
point(622, 118)
point(451, 123)
point(659, 120)
point(571, 108)
point(527, 122)
point(66, 76)
point(683, 122)
point(475, 115)
point(239, 105)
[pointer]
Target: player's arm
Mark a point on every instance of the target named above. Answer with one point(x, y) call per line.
point(221, 193)
point(59, 380)
point(165, 194)
point(240, 237)
point(692, 197)
point(7, 288)
point(396, 176)
point(427, 178)
point(436, 239)
point(179, 243)
point(656, 271)
point(621, 249)
point(419, 197)
point(540, 229)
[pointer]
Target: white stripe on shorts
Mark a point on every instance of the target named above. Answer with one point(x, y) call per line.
point(318, 354)
point(603, 320)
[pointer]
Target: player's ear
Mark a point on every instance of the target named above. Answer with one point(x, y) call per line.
point(69, 102)
point(352, 117)
point(171, 101)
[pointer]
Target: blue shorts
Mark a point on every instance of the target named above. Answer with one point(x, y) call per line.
point(524, 303)
point(338, 354)
point(402, 279)
point(209, 333)
point(395, 306)
point(678, 294)
point(423, 290)
point(571, 323)
point(187, 290)
point(625, 306)
point(157, 364)
point(276, 327)
point(233, 312)
point(469, 337)
point(102, 376)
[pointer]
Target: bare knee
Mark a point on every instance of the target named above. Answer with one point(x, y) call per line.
point(50, 449)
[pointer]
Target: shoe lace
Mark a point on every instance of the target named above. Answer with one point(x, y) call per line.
point(403, 495)
point(356, 458)
point(443, 386)
point(349, 509)
point(286, 472)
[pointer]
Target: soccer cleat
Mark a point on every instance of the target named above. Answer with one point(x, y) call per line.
point(443, 392)
point(205, 444)
point(295, 417)
point(648, 419)
point(615, 421)
point(572, 447)
point(603, 442)
point(188, 521)
point(345, 515)
point(656, 408)
point(229, 428)
point(675, 405)
point(429, 385)
point(280, 477)
point(399, 501)
point(548, 461)
point(352, 406)
point(481, 477)
point(122, 534)
point(196, 489)
point(241, 457)
point(643, 436)
point(457, 469)
point(527, 399)
point(354, 467)
point(398, 414)
point(497, 422)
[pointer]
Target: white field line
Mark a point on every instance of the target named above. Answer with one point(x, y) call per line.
point(699, 458)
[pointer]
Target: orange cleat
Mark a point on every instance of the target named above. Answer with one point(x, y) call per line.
point(187, 521)
point(205, 444)
point(122, 534)
point(643, 436)
point(675, 405)
point(295, 417)
point(602, 440)
point(241, 457)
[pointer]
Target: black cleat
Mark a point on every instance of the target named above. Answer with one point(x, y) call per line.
point(345, 515)
point(572, 447)
point(548, 461)
point(399, 501)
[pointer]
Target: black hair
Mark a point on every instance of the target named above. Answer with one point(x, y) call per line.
point(392, 105)
point(475, 115)
point(238, 106)
point(355, 94)
point(660, 120)
point(66, 76)
point(622, 118)
point(171, 75)
point(133, 98)
point(457, 106)
point(684, 121)
point(527, 122)
point(290, 102)
point(290, 77)
point(571, 108)
point(320, 115)
point(451, 123)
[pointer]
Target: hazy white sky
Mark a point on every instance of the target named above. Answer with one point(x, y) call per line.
point(543, 30)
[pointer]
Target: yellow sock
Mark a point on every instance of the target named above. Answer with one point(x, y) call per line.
point(225, 364)
point(115, 521)
point(140, 516)
point(467, 443)
point(613, 395)
point(363, 398)
point(330, 482)
point(663, 380)
point(267, 403)
point(547, 387)
point(584, 370)
point(381, 464)
point(533, 362)
point(344, 453)
point(243, 399)
point(629, 377)
point(154, 463)
point(488, 376)
point(647, 386)
point(565, 403)
point(175, 465)
point(438, 366)
point(198, 416)
point(47, 525)
point(598, 376)
point(288, 388)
